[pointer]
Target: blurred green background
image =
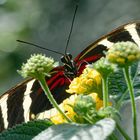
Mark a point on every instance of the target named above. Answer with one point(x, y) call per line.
point(47, 23)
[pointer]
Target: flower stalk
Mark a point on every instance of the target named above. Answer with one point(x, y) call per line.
point(124, 134)
point(105, 69)
point(105, 91)
point(51, 98)
point(127, 74)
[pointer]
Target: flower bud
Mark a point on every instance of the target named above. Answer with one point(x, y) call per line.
point(83, 104)
point(37, 64)
point(103, 67)
point(123, 53)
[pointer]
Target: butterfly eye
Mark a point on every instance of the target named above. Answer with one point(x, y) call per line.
point(63, 59)
point(69, 56)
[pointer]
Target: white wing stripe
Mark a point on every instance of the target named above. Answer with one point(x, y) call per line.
point(133, 32)
point(106, 43)
point(4, 109)
point(27, 100)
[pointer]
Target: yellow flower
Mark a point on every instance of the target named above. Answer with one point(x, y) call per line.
point(99, 102)
point(66, 105)
point(89, 81)
point(58, 119)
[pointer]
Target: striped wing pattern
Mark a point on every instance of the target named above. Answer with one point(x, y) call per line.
point(20, 103)
point(27, 98)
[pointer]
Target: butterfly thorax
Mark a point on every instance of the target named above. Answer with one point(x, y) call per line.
point(70, 69)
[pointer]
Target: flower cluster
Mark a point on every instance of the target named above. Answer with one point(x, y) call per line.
point(88, 82)
point(103, 67)
point(37, 64)
point(123, 53)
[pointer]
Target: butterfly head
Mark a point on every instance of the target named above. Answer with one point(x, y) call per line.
point(66, 58)
point(69, 66)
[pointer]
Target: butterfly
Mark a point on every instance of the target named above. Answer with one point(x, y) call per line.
point(24, 101)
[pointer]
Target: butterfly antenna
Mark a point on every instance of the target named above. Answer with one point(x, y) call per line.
point(71, 28)
point(37, 46)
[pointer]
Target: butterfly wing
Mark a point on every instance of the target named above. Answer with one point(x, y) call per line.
point(127, 32)
point(11, 105)
point(26, 99)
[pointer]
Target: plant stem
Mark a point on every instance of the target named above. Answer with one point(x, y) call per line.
point(88, 119)
point(113, 137)
point(125, 93)
point(122, 132)
point(132, 98)
point(105, 91)
point(51, 98)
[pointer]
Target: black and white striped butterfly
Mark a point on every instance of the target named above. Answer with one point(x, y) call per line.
point(26, 100)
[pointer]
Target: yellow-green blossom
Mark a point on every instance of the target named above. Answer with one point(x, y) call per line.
point(37, 65)
point(123, 53)
point(103, 67)
point(89, 81)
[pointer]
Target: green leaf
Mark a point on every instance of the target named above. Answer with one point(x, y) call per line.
point(117, 85)
point(99, 131)
point(25, 131)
